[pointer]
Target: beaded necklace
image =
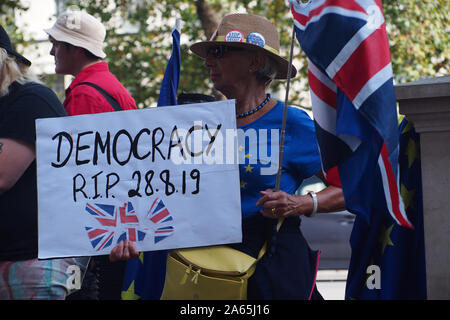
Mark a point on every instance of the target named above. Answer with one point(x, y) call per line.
point(245, 114)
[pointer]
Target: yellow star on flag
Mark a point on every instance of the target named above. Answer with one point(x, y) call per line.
point(407, 196)
point(412, 152)
point(407, 128)
point(241, 148)
point(129, 294)
point(385, 237)
point(248, 168)
point(243, 184)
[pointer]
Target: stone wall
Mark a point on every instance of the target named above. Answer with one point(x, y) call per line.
point(427, 104)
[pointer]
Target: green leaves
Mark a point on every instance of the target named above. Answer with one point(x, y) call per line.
point(139, 40)
point(418, 33)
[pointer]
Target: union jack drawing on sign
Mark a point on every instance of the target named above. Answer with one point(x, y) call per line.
point(161, 218)
point(119, 223)
point(101, 237)
point(129, 218)
point(354, 106)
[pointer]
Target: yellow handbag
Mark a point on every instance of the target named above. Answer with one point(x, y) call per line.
point(209, 273)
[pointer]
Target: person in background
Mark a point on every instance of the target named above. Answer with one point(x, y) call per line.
point(77, 40)
point(23, 99)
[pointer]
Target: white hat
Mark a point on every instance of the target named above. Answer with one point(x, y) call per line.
point(81, 30)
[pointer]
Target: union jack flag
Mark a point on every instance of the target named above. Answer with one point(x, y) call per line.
point(160, 216)
point(115, 224)
point(354, 106)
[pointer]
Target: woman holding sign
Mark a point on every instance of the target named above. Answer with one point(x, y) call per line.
point(243, 59)
point(23, 100)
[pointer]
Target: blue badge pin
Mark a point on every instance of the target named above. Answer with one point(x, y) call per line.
point(256, 39)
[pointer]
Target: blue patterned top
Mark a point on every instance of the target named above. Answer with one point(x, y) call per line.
point(258, 149)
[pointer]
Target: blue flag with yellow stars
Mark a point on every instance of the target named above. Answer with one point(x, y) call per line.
point(144, 277)
point(388, 261)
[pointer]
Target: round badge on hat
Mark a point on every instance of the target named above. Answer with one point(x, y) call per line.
point(256, 39)
point(234, 36)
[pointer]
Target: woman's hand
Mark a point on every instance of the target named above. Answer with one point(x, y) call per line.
point(124, 250)
point(279, 204)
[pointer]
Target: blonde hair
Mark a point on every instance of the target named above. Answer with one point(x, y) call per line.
point(13, 70)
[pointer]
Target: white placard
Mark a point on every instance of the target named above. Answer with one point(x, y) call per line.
point(162, 177)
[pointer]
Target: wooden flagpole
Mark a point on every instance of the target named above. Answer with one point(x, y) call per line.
point(283, 126)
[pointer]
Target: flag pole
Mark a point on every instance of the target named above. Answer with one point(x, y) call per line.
point(283, 126)
point(178, 25)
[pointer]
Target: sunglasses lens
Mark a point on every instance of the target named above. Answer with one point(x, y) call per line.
point(216, 52)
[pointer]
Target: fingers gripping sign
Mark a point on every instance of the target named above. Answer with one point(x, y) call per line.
point(124, 250)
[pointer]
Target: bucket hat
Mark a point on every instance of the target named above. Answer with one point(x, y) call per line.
point(247, 31)
point(81, 30)
point(5, 43)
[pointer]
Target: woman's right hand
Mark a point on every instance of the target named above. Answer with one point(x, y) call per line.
point(124, 250)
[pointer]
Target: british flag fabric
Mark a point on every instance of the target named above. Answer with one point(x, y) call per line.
point(353, 101)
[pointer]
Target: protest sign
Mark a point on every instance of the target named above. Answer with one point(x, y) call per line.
point(163, 178)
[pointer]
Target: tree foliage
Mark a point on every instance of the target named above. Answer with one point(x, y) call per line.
point(419, 38)
point(9, 10)
point(139, 39)
point(144, 53)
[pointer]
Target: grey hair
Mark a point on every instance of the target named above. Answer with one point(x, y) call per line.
point(268, 71)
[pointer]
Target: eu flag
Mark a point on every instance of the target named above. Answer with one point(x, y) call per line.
point(388, 261)
point(169, 86)
point(144, 277)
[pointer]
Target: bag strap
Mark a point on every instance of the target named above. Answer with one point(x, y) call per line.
point(113, 102)
point(264, 248)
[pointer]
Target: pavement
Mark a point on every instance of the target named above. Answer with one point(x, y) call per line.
point(330, 233)
point(331, 284)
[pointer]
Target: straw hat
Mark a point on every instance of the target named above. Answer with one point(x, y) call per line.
point(81, 30)
point(247, 31)
point(5, 43)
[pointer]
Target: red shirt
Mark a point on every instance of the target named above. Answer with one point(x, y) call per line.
point(84, 99)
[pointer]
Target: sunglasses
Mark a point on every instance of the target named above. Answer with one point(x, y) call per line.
point(219, 51)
